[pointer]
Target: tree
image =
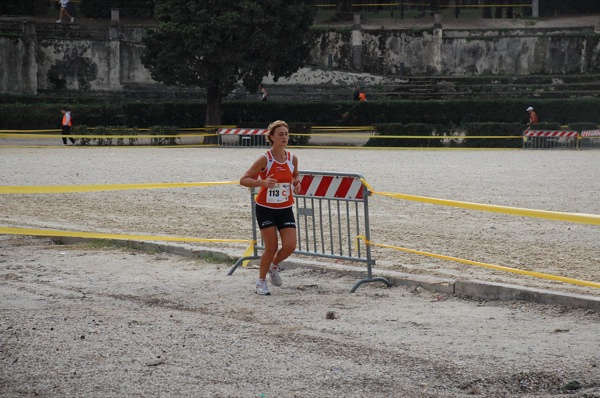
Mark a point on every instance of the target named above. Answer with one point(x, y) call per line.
point(215, 44)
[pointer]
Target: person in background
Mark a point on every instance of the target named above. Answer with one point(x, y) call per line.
point(276, 174)
point(64, 12)
point(356, 95)
point(533, 119)
point(262, 96)
point(66, 126)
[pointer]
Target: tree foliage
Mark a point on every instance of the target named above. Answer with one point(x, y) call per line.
point(217, 43)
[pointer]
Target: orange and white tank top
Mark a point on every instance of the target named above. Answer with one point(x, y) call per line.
point(280, 196)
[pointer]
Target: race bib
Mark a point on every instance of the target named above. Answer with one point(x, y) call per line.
point(278, 194)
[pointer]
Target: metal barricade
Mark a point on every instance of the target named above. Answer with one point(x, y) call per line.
point(242, 138)
point(332, 211)
point(538, 139)
point(590, 139)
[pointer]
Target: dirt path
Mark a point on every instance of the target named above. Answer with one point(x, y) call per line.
point(102, 321)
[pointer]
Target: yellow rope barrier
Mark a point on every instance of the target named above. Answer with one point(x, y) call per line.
point(249, 251)
point(96, 235)
point(18, 135)
point(592, 219)
point(427, 5)
point(490, 266)
point(25, 189)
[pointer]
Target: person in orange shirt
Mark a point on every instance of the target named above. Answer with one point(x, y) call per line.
point(276, 174)
point(533, 119)
point(66, 126)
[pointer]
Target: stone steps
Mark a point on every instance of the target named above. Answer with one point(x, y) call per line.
point(446, 88)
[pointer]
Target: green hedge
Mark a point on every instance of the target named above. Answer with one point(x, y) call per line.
point(449, 136)
point(396, 129)
point(491, 130)
point(109, 132)
point(579, 127)
point(28, 114)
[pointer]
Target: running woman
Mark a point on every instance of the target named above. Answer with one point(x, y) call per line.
point(276, 174)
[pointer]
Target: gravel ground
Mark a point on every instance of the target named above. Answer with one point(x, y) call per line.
point(101, 321)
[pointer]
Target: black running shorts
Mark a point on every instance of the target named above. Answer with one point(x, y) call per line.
point(280, 218)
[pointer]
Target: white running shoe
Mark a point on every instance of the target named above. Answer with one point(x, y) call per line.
point(262, 288)
point(275, 277)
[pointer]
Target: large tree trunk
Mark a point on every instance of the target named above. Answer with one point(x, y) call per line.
point(213, 113)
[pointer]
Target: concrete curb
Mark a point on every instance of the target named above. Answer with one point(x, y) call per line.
point(461, 288)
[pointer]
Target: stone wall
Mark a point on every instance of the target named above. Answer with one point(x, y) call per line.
point(45, 57)
point(472, 52)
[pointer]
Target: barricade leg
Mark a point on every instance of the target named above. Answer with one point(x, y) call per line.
point(370, 279)
point(254, 255)
point(240, 261)
point(370, 260)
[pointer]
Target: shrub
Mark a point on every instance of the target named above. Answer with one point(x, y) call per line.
point(81, 129)
point(579, 127)
point(299, 128)
point(493, 129)
point(396, 129)
point(102, 131)
point(546, 126)
point(161, 131)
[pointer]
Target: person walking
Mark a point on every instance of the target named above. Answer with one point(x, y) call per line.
point(356, 94)
point(64, 12)
point(276, 174)
point(263, 95)
point(66, 126)
point(533, 119)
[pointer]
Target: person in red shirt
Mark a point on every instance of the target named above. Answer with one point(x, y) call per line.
point(65, 125)
point(276, 174)
point(533, 119)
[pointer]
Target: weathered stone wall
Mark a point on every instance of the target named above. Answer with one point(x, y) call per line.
point(46, 57)
point(465, 52)
point(18, 66)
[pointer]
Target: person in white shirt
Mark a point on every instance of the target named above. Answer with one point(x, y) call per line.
point(64, 12)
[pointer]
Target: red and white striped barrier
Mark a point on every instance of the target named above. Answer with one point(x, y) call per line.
point(242, 131)
point(590, 133)
point(550, 134)
point(333, 187)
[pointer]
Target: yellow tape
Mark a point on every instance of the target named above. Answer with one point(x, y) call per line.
point(96, 235)
point(490, 266)
point(438, 137)
point(249, 251)
point(111, 187)
point(107, 137)
point(29, 131)
point(550, 215)
point(369, 187)
point(347, 128)
point(119, 147)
